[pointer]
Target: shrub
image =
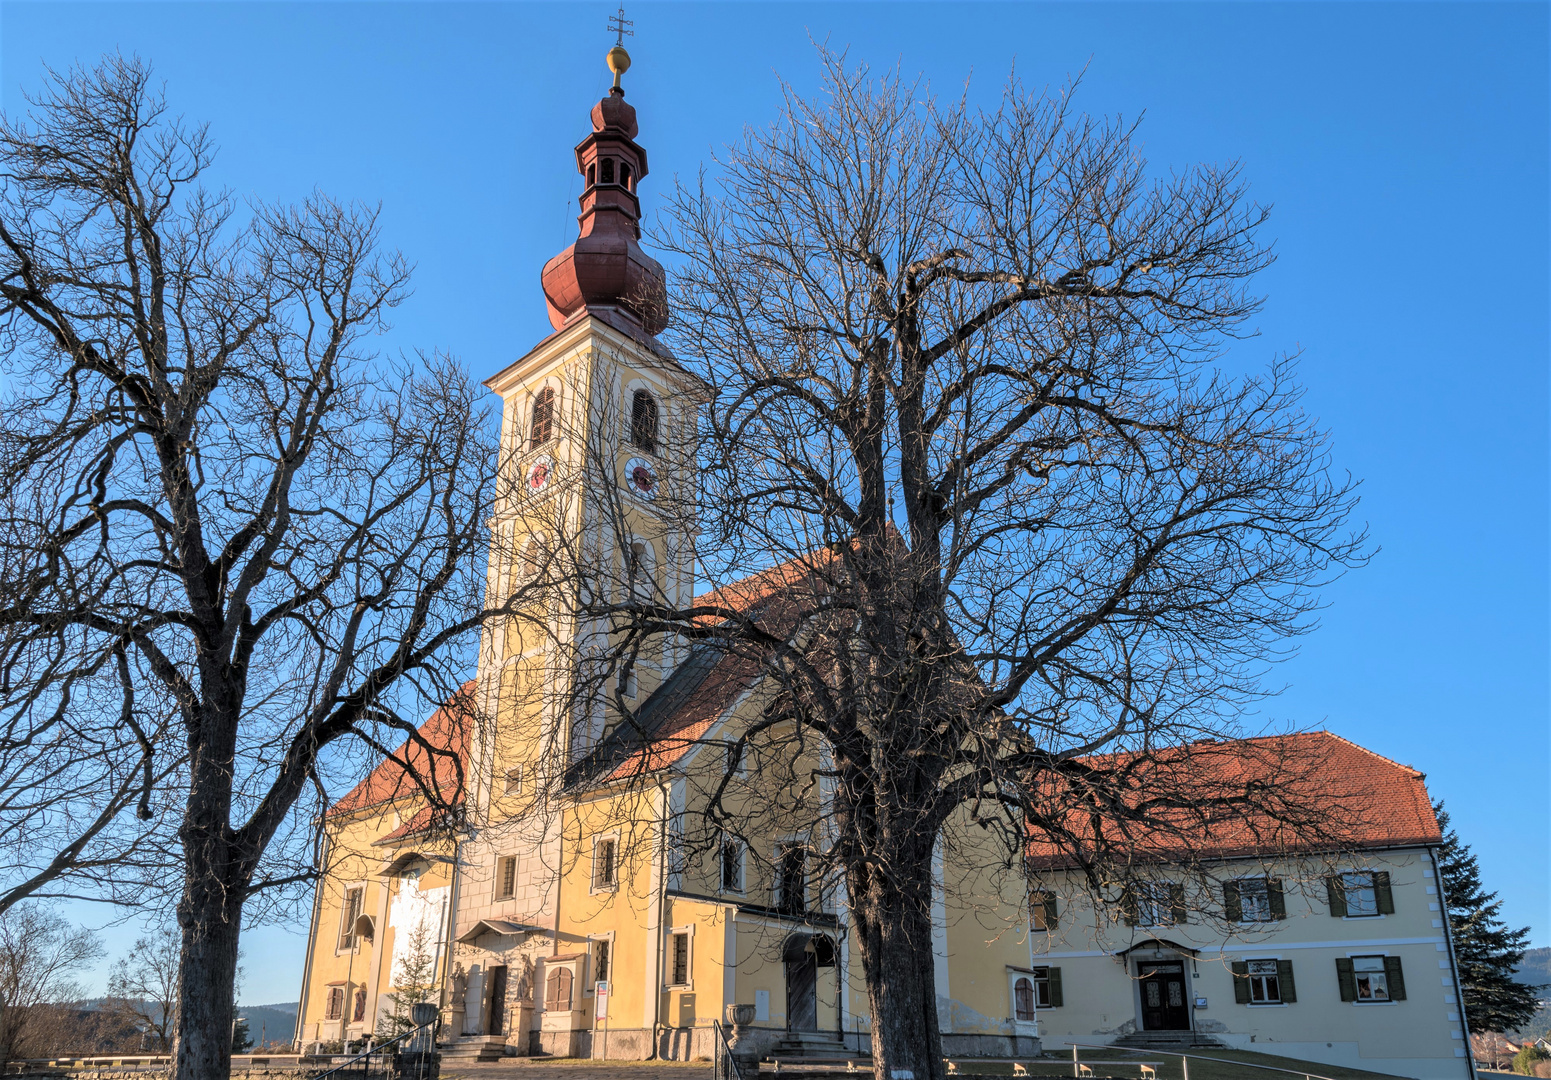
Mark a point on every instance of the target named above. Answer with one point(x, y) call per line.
point(1525, 1060)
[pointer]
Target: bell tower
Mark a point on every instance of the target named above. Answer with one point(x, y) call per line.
point(596, 483)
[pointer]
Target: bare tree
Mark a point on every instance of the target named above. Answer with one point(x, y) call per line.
point(143, 986)
point(1007, 543)
point(223, 513)
point(40, 953)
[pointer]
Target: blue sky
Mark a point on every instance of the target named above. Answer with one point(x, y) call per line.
point(1403, 146)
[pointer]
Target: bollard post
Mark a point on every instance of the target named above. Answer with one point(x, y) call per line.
point(1074, 1059)
point(1184, 1063)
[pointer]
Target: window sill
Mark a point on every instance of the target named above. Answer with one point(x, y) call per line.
point(1371, 1004)
point(1363, 918)
point(1266, 1004)
point(602, 890)
point(679, 987)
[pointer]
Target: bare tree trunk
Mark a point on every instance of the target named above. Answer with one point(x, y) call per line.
point(212, 923)
point(893, 926)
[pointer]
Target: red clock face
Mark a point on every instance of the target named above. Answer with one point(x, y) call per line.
point(640, 478)
point(538, 474)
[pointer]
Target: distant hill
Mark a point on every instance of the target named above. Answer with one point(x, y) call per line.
point(1536, 968)
point(273, 1023)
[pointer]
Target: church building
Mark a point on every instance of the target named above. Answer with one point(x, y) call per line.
point(559, 911)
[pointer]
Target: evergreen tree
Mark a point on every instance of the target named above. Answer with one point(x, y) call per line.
point(414, 977)
point(1488, 952)
point(241, 1039)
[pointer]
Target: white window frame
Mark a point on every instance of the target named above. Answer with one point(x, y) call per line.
point(1150, 909)
point(1263, 884)
point(593, 940)
point(1373, 892)
point(511, 781)
point(1381, 973)
point(1252, 975)
point(500, 863)
point(688, 933)
point(613, 884)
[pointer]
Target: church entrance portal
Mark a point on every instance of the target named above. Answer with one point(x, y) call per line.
point(497, 1002)
point(803, 956)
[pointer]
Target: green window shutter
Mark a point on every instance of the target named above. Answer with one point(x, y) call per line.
point(1050, 911)
point(1345, 977)
point(1396, 981)
point(1230, 903)
point(1383, 893)
point(1241, 982)
point(1056, 1000)
point(1284, 977)
point(1335, 892)
point(1278, 898)
point(1176, 902)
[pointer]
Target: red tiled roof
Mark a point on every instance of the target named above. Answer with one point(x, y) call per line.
point(440, 768)
point(1312, 791)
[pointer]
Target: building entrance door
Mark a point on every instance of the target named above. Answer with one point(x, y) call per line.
point(496, 1024)
point(802, 984)
point(1163, 998)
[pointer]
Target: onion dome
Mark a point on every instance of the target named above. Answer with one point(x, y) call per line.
point(605, 272)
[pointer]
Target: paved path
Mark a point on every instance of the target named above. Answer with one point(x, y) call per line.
point(529, 1069)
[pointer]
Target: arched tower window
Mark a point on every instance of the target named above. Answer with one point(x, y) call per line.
point(608, 171)
point(643, 421)
point(543, 425)
point(592, 175)
point(624, 175)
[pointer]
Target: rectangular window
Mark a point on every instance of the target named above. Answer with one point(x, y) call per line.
point(1042, 910)
point(1265, 984)
point(680, 959)
point(732, 866)
point(336, 1003)
point(1362, 899)
point(1254, 900)
point(506, 877)
point(354, 900)
point(603, 868)
point(513, 781)
point(1159, 903)
point(600, 961)
point(1371, 977)
point(791, 875)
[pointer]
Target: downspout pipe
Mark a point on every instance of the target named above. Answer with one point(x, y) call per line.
point(662, 903)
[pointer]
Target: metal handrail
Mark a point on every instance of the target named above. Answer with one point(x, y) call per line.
point(1186, 1057)
point(724, 1052)
point(365, 1057)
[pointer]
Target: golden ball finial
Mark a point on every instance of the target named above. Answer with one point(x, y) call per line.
point(618, 61)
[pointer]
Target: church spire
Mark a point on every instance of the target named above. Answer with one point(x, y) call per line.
point(605, 273)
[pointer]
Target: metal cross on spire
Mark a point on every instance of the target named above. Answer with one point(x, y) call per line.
point(620, 25)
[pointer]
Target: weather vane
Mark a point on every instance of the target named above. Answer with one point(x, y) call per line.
point(619, 24)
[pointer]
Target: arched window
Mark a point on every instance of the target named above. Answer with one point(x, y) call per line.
point(624, 175)
point(608, 171)
point(532, 557)
point(643, 421)
point(557, 990)
point(592, 175)
point(543, 425)
point(1023, 999)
